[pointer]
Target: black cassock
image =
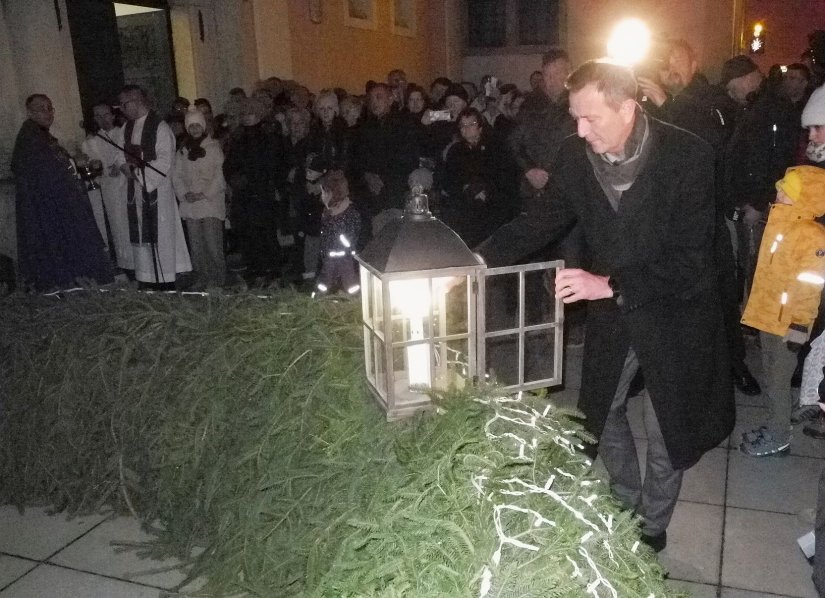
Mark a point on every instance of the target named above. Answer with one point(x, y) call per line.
point(58, 242)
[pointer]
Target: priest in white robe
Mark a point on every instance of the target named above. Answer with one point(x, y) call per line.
point(155, 229)
point(109, 202)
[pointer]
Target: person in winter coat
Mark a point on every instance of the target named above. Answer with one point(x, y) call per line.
point(255, 168)
point(759, 150)
point(474, 203)
point(340, 231)
point(327, 139)
point(686, 100)
point(785, 296)
point(201, 190)
point(643, 193)
point(810, 407)
point(813, 119)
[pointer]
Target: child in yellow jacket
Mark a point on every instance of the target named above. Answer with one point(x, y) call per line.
point(785, 295)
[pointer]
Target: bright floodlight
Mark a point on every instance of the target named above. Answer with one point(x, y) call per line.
point(629, 42)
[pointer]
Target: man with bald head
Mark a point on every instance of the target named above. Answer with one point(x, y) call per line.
point(58, 243)
point(155, 230)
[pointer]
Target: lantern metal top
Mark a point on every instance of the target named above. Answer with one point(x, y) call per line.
point(417, 241)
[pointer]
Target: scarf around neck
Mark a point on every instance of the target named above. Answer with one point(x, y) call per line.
point(815, 152)
point(617, 177)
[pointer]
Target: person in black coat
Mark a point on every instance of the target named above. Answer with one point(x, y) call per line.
point(643, 193)
point(691, 103)
point(474, 203)
point(255, 168)
point(761, 148)
point(328, 140)
point(58, 242)
point(383, 155)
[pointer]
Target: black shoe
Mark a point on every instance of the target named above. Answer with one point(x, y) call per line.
point(815, 428)
point(746, 383)
point(657, 543)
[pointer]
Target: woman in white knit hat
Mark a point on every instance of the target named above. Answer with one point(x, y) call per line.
point(812, 389)
point(201, 190)
point(813, 119)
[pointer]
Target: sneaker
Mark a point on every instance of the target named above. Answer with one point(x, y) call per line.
point(765, 445)
point(754, 434)
point(805, 413)
point(816, 428)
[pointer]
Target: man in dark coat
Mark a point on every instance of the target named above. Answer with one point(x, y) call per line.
point(58, 242)
point(255, 168)
point(761, 148)
point(542, 123)
point(642, 191)
point(383, 155)
point(691, 103)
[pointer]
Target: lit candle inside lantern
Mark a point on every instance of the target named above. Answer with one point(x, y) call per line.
point(412, 298)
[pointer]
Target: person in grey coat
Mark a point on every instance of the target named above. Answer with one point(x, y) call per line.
point(643, 194)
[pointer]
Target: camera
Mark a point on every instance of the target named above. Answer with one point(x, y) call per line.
point(490, 86)
point(440, 115)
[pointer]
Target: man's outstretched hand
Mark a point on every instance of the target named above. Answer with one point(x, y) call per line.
point(573, 284)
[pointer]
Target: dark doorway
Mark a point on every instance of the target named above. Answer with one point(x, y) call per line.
point(122, 42)
point(96, 45)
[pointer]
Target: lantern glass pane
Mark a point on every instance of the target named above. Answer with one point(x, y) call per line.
point(539, 297)
point(539, 354)
point(377, 292)
point(452, 364)
point(410, 307)
point(502, 359)
point(501, 302)
point(369, 356)
point(380, 366)
point(450, 310)
point(412, 371)
point(366, 296)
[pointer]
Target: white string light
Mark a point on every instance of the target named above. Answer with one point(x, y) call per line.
point(526, 429)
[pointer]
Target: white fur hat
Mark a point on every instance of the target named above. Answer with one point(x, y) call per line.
point(814, 112)
point(195, 116)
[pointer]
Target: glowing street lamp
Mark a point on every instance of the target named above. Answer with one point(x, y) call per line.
point(757, 41)
point(629, 42)
point(424, 315)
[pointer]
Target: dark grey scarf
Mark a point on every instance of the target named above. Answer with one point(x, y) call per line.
point(616, 177)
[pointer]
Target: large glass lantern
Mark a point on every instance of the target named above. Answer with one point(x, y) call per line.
point(424, 315)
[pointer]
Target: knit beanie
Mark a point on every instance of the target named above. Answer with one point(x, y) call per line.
point(457, 90)
point(195, 117)
point(814, 112)
point(421, 177)
point(736, 67)
point(790, 184)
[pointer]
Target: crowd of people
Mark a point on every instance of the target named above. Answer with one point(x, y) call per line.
point(661, 220)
